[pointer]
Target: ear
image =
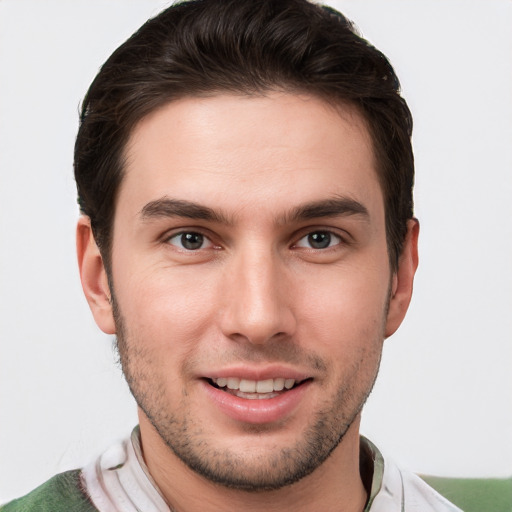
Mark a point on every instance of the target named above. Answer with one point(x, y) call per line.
point(94, 277)
point(402, 281)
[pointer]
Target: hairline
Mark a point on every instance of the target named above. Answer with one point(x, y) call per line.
point(330, 100)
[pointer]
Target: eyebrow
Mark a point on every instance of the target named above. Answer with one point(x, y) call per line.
point(335, 207)
point(167, 207)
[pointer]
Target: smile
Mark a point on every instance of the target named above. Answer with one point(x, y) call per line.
point(254, 389)
point(257, 401)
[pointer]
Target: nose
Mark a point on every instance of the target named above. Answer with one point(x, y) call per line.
point(257, 305)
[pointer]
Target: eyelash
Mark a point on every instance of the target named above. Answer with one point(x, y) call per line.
point(327, 236)
point(182, 234)
point(193, 235)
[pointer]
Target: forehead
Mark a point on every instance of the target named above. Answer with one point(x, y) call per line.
point(241, 151)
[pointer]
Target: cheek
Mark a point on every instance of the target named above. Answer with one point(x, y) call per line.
point(349, 303)
point(345, 318)
point(164, 308)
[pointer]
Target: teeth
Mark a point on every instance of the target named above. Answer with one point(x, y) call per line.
point(255, 386)
point(247, 386)
point(288, 383)
point(265, 386)
point(222, 383)
point(232, 383)
point(278, 384)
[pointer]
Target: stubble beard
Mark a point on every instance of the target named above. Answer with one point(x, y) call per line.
point(270, 470)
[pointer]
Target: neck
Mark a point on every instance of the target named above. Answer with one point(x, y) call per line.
point(335, 485)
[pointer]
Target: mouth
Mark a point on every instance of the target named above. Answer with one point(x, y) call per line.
point(255, 389)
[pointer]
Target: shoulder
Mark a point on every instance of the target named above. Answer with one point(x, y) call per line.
point(418, 495)
point(404, 491)
point(61, 493)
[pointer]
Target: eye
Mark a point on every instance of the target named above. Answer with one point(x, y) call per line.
point(190, 241)
point(319, 240)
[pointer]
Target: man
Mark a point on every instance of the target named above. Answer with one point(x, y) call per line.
point(244, 170)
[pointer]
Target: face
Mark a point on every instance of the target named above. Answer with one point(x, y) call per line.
point(251, 281)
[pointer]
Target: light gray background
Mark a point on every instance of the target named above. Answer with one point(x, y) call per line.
point(443, 401)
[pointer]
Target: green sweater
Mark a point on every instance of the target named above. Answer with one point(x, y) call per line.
point(62, 493)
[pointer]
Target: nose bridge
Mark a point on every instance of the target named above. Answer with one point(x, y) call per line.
point(257, 307)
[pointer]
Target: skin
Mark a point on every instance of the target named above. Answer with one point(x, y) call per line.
point(257, 297)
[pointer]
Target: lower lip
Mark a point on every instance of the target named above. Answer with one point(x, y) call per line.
point(258, 411)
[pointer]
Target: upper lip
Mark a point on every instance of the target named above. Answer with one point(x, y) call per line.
point(263, 373)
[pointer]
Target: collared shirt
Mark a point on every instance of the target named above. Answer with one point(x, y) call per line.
point(119, 481)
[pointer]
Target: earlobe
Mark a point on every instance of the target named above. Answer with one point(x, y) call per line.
point(94, 276)
point(403, 278)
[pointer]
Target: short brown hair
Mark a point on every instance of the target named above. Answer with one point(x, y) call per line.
point(204, 47)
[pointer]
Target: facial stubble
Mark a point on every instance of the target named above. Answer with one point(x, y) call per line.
point(265, 470)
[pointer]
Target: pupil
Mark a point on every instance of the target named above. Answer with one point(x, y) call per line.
point(319, 240)
point(192, 240)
